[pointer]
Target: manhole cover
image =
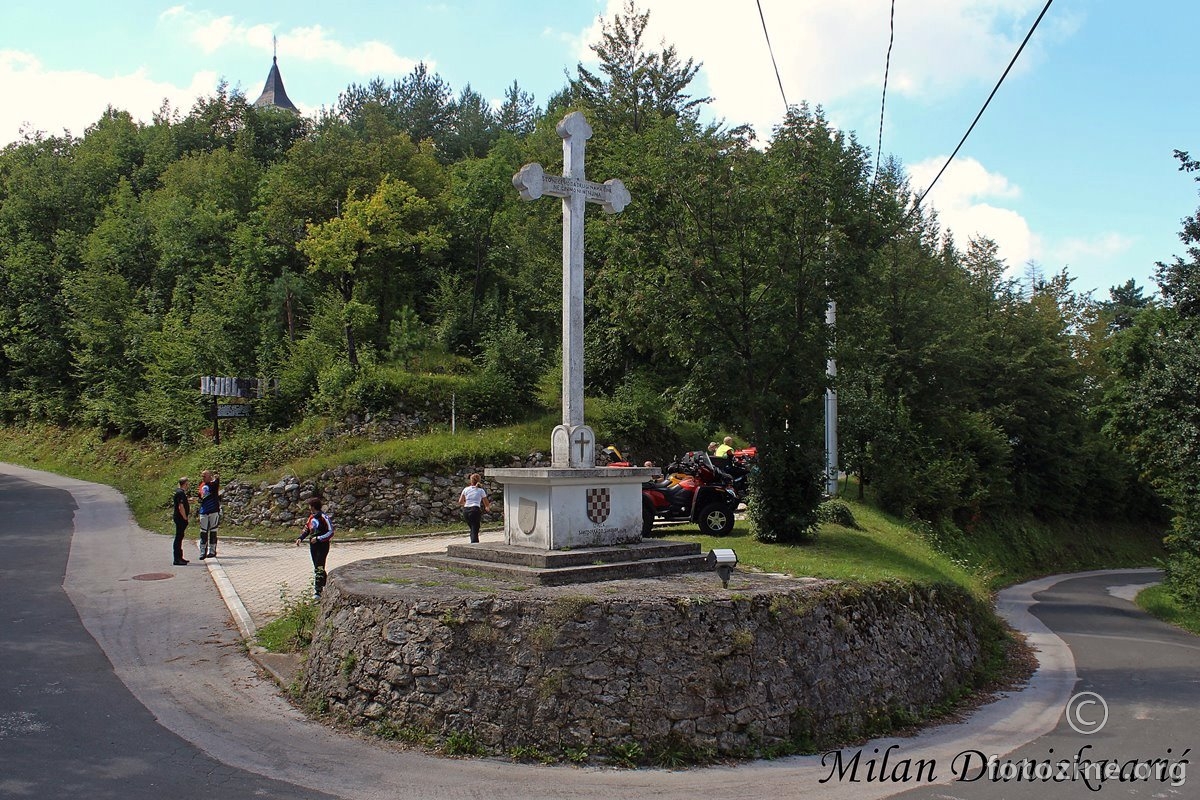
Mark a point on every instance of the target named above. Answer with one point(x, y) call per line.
point(153, 576)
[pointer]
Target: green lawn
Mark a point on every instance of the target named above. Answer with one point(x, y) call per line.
point(883, 549)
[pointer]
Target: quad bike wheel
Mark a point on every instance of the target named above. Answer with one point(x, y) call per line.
point(716, 519)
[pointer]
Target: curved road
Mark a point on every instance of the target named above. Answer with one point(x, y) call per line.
point(127, 678)
point(69, 727)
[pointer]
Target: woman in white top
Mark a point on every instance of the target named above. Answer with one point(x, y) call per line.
point(474, 502)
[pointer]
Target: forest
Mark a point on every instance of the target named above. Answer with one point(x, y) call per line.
point(380, 251)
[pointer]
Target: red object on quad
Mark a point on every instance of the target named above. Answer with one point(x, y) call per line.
point(703, 495)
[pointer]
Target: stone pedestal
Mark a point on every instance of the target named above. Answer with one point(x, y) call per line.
point(564, 509)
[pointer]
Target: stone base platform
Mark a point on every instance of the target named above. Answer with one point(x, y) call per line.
point(645, 559)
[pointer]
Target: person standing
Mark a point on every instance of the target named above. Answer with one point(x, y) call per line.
point(318, 530)
point(210, 512)
point(474, 502)
point(181, 511)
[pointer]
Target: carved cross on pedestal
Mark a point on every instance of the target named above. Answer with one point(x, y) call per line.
point(576, 191)
point(582, 440)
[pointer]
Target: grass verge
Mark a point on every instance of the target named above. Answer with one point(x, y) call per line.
point(292, 630)
point(1158, 602)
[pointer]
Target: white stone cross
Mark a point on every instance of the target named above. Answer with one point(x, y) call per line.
point(575, 191)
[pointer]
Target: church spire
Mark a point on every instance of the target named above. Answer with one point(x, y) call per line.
point(273, 94)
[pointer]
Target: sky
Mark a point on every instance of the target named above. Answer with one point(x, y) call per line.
point(1070, 167)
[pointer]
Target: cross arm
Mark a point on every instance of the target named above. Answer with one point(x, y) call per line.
point(530, 181)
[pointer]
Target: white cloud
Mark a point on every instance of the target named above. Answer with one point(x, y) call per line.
point(312, 43)
point(961, 197)
point(833, 52)
point(1076, 251)
point(54, 101)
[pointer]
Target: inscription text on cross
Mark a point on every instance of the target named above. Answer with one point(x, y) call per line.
point(576, 191)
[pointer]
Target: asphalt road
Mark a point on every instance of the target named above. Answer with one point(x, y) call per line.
point(1133, 730)
point(69, 727)
point(121, 686)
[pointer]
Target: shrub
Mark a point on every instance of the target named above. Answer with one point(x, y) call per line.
point(1182, 565)
point(785, 490)
point(837, 513)
point(514, 360)
point(636, 418)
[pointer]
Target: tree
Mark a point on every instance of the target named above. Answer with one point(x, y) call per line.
point(1154, 401)
point(518, 113)
point(472, 127)
point(371, 237)
point(635, 85)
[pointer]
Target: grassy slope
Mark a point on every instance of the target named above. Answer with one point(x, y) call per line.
point(991, 556)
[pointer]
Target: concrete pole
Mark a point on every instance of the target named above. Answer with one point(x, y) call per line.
point(831, 411)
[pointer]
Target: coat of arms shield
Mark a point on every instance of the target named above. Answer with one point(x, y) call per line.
point(599, 503)
point(526, 515)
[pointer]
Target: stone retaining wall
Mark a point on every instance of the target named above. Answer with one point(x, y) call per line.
point(359, 496)
point(771, 664)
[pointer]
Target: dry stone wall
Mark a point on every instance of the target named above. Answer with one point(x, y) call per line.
point(359, 496)
point(768, 665)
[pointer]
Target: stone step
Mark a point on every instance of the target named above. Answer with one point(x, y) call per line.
point(564, 575)
point(559, 559)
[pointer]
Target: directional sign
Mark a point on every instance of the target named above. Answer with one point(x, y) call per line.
point(239, 410)
point(229, 387)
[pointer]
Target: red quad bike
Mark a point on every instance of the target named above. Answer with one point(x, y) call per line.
point(694, 490)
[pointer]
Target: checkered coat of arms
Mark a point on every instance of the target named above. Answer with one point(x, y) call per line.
point(599, 504)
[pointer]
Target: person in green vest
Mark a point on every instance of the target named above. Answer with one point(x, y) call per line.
point(725, 448)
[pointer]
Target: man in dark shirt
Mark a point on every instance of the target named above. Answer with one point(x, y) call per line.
point(181, 510)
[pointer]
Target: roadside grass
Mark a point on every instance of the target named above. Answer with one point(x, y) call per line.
point(147, 472)
point(1158, 602)
point(881, 549)
point(991, 555)
point(1009, 550)
point(292, 630)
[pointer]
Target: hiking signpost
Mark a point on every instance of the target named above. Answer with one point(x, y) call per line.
point(239, 388)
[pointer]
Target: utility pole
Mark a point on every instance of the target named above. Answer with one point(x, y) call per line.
point(831, 437)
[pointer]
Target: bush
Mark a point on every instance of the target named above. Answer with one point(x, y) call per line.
point(636, 419)
point(1182, 565)
point(836, 512)
point(483, 398)
point(514, 359)
point(786, 490)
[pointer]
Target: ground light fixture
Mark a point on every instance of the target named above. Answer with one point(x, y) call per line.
point(723, 560)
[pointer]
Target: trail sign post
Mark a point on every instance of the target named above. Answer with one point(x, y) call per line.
point(241, 388)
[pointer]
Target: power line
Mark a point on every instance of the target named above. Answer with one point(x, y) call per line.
point(887, 65)
point(772, 52)
point(985, 104)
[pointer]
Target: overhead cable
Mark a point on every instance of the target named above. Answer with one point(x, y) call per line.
point(778, 80)
point(887, 65)
point(985, 104)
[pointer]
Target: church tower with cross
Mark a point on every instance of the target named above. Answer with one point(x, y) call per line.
point(273, 94)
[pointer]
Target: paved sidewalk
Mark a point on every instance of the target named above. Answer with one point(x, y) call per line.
point(264, 576)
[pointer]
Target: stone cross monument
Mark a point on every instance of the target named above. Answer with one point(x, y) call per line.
point(572, 443)
point(572, 504)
